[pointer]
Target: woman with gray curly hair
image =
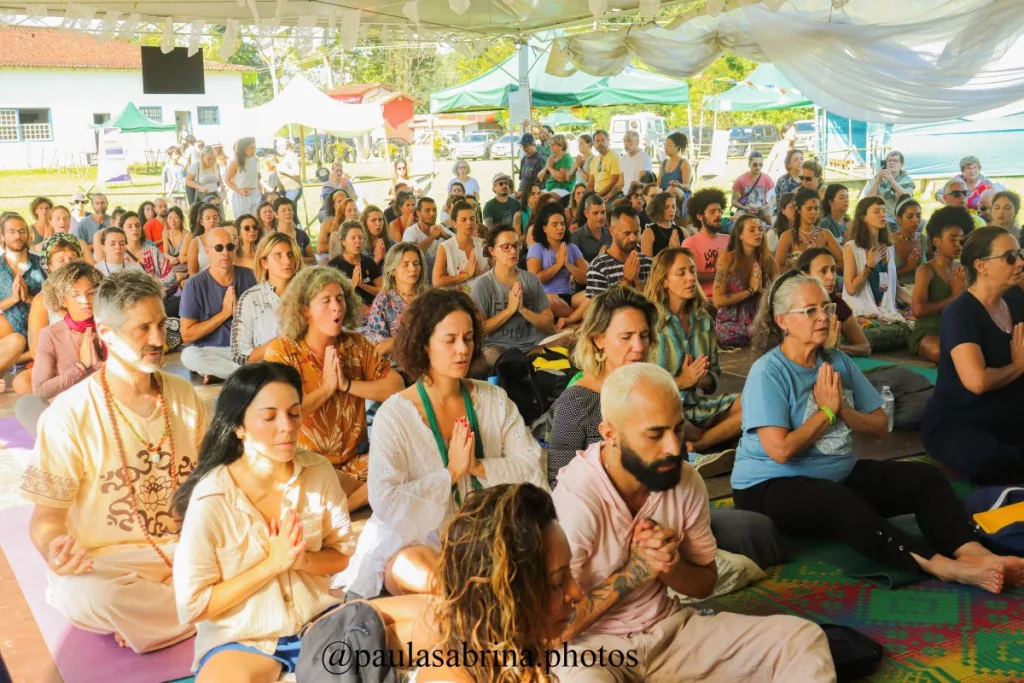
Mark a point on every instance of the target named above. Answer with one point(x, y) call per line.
point(69, 350)
point(340, 371)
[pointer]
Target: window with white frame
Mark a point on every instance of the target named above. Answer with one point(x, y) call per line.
point(8, 124)
point(208, 116)
point(155, 113)
point(25, 124)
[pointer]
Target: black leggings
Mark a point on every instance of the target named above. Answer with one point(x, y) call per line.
point(991, 452)
point(854, 511)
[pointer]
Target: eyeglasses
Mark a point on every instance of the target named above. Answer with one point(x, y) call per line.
point(510, 247)
point(221, 247)
point(756, 165)
point(958, 193)
point(1010, 257)
point(812, 312)
point(806, 178)
point(249, 228)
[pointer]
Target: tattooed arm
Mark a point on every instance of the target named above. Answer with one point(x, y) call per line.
point(638, 570)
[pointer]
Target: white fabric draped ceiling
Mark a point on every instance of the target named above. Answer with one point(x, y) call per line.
point(892, 61)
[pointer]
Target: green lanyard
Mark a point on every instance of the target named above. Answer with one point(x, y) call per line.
point(428, 408)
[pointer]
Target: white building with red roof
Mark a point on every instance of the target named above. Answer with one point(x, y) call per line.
point(55, 85)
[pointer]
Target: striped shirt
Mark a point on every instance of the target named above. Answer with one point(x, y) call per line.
point(606, 271)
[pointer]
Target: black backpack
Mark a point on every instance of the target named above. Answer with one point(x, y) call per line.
point(516, 376)
point(854, 654)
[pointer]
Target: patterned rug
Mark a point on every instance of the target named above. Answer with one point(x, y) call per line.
point(931, 631)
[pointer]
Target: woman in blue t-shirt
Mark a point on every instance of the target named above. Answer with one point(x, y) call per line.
point(971, 420)
point(802, 402)
point(557, 261)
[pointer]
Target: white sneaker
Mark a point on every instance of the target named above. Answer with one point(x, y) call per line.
point(715, 464)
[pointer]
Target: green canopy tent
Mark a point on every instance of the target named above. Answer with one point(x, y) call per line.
point(563, 118)
point(490, 90)
point(131, 120)
point(765, 89)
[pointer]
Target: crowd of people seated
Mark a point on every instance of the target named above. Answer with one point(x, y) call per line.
point(359, 371)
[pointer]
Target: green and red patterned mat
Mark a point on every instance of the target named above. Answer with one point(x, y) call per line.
point(931, 631)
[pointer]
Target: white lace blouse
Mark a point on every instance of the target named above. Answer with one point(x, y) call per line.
point(410, 490)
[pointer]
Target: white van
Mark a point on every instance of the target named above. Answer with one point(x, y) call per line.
point(651, 127)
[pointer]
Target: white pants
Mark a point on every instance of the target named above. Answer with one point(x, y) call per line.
point(209, 360)
point(129, 592)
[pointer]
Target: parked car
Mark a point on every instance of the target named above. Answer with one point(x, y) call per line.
point(473, 146)
point(745, 139)
point(806, 135)
point(651, 127)
point(502, 149)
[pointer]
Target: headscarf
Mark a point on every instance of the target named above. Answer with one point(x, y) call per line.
point(58, 240)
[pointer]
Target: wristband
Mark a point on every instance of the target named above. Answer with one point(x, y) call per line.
point(828, 413)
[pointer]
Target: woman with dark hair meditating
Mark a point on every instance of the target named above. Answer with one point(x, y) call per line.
point(819, 263)
point(801, 404)
point(265, 526)
point(970, 422)
point(433, 443)
point(742, 273)
point(940, 281)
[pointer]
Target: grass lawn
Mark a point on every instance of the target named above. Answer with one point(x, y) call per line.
point(19, 188)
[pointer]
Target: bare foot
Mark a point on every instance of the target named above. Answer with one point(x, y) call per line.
point(120, 640)
point(983, 571)
point(1013, 567)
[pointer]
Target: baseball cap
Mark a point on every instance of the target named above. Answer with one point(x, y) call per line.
point(527, 140)
point(500, 176)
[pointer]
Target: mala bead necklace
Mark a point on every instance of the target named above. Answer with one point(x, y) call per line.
point(153, 449)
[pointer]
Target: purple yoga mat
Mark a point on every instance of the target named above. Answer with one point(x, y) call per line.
point(14, 435)
point(81, 657)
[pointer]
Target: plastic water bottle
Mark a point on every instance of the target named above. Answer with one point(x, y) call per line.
point(888, 405)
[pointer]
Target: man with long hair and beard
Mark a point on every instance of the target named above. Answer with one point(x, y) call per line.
point(637, 519)
point(110, 453)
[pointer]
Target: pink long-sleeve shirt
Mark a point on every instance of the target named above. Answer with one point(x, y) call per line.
point(56, 366)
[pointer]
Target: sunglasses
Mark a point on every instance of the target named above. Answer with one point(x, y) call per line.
point(249, 228)
point(221, 247)
point(812, 312)
point(1010, 257)
point(510, 247)
point(806, 178)
point(958, 193)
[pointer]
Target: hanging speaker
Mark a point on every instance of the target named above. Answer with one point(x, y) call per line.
point(174, 73)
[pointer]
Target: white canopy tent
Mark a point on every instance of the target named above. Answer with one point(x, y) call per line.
point(871, 60)
point(911, 61)
point(302, 104)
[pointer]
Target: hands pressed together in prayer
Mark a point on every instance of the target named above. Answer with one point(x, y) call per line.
point(654, 550)
point(287, 547)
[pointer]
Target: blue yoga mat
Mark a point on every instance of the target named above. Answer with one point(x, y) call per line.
point(866, 364)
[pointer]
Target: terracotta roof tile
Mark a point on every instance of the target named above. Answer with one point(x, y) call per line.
point(56, 48)
point(355, 88)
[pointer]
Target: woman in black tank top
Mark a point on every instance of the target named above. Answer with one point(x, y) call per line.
point(658, 236)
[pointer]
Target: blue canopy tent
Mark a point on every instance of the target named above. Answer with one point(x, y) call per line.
point(935, 149)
